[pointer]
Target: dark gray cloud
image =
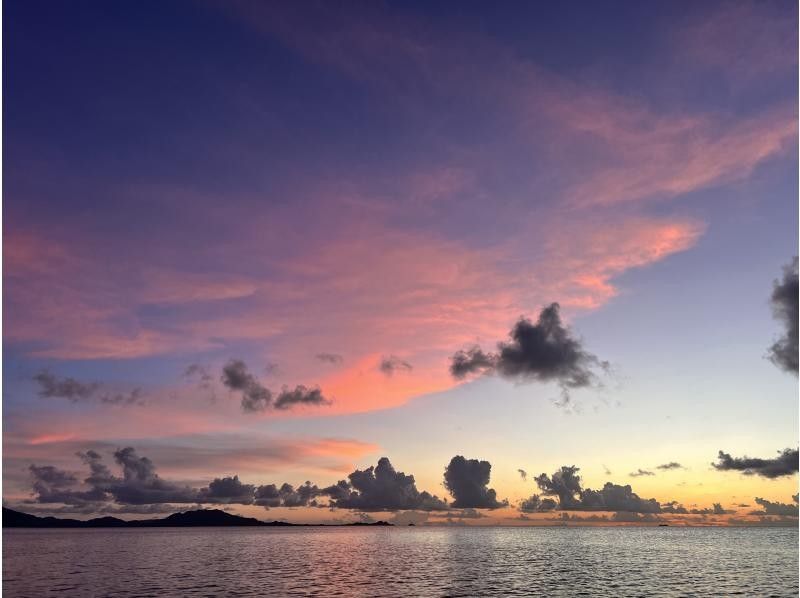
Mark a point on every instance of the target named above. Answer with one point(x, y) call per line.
point(227, 490)
point(640, 472)
point(536, 504)
point(236, 377)
point(268, 496)
point(523, 474)
point(302, 496)
point(256, 397)
point(300, 395)
point(783, 352)
point(134, 397)
point(467, 480)
point(286, 495)
point(669, 466)
point(199, 374)
point(381, 488)
point(776, 508)
point(52, 477)
point(391, 364)
point(545, 351)
point(565, 484)
point(786, 463)
point(53, 485)
point(674, 507)
point(138, 484)
point(613, 497)
point(716, 509)
point(95, 509)
point(331, 358)
point(471, 361)
point(53, 387)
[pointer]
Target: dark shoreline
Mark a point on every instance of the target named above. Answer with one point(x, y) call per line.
point(198, 518)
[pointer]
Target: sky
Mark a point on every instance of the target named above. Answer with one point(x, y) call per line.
point(443, 263)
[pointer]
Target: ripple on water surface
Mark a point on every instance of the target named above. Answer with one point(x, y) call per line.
point(401, 562)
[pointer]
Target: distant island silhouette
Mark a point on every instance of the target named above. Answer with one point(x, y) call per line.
point(198, 518)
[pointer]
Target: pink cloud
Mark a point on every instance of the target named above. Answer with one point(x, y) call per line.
point(371, 292)
point(674, 158)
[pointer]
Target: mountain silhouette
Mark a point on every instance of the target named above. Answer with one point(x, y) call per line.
point(198, 518)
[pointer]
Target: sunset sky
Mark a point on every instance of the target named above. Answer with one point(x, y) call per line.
point(280, 241)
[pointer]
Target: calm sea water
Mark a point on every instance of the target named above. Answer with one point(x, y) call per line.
point(401, 562)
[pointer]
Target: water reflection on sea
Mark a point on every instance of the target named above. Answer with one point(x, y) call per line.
point(401, 562)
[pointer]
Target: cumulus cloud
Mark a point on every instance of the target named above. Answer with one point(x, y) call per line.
point(381, 488)
point(544, 351)
point(613, 497)
point(140, 484)
point(256, 397)
point(236, 377)
point(137, 484)
point(227, 490)
point(669, 466)
point(391, 364)
point(786, 463)
point(467, 480)
point(776, 508)
point(53, 485)
point(716, 509)
point(783, 352)
point(287, 495)
point(674, 507)
point(565, 484)
point(535, 504)
point(331, 358)
point(640, 472)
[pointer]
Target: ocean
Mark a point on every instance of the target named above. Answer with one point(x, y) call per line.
point(408, 561)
